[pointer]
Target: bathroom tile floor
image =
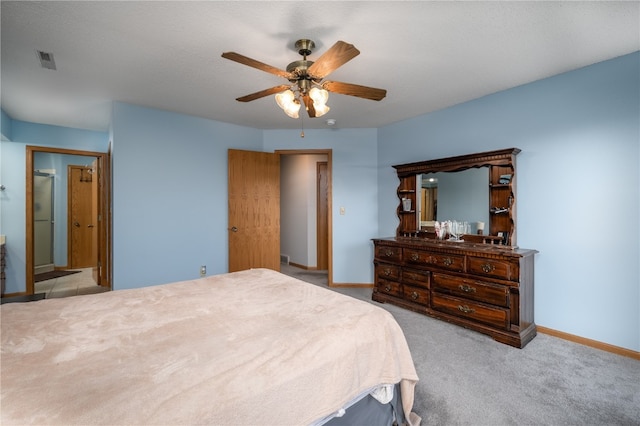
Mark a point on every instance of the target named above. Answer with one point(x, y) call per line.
point(70, 285)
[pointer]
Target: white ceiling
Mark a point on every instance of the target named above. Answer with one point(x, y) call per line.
point(166, 55)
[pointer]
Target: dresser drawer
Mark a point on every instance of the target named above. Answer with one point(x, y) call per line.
point(444, 261)
point(416, 294)
point(389, 287)
point(416, 277)
point(464, 308)
point(493, 268)
point(387, 271)
point(392, 254)
point(494, 294)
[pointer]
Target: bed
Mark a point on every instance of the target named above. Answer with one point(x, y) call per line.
point(254, 347)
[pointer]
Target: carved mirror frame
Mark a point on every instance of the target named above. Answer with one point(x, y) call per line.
point(502, 196)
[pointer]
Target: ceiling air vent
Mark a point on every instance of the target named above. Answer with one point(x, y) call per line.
point(46, 60)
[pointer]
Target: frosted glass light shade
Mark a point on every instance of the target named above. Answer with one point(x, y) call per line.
point(319, 96)
point(292, 109)
point(285, 98)
point(321, 109)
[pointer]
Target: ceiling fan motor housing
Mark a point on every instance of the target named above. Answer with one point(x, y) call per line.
point(299, 70)
point(305, 46)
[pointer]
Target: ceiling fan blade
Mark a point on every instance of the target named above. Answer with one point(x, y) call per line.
point(308, 103)
point(355, 90)
point(263, 93)
point(337, 55)
point(233, 56)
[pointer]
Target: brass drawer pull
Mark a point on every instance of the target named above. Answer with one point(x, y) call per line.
point(415, 295)
point(487, 267)
point(387, 288)
point(387, 271)
point(467, 288)
point(447, 261)
point(388, 253)
point(415, 256)
point(466, 309)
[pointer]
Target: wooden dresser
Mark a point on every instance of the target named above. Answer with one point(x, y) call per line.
point(483, 287)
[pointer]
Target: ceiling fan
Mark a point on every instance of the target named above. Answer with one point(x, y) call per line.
point(306, 78)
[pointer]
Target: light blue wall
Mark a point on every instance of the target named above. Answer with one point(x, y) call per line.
point(12, 213)
point(354, 171)
point(13, 176)
point(578, 187)
point(59, 137)
point(170, 194)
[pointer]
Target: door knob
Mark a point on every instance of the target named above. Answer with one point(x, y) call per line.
point(89, 226)
point(234, 229)
point(76, 224)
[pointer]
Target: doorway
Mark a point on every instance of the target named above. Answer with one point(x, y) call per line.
point(306, 207)
point(100, 197)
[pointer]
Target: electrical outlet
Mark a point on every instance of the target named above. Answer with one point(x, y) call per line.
point(203, 270)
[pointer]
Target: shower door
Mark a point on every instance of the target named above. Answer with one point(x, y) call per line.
point(43, 222)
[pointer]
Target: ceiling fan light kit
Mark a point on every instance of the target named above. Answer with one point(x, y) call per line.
point(306, 78)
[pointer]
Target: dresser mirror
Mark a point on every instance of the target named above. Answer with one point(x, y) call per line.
point(476, 188)
point(461, 196)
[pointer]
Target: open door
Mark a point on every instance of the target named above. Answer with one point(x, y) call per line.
point(82, 217)
point(254, 210)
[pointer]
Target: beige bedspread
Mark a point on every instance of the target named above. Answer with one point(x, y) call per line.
point(248, 348)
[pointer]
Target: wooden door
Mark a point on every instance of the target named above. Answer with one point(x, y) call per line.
point(95, 214)
point(322, 216)
point(82, 217)
point(254, 210)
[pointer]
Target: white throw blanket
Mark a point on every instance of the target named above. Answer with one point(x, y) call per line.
point(248, 348)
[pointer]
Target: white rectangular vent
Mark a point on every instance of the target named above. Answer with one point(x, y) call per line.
point(46, 60)
point(284, 258)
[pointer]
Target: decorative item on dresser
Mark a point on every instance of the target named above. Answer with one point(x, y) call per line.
point(481, 282)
